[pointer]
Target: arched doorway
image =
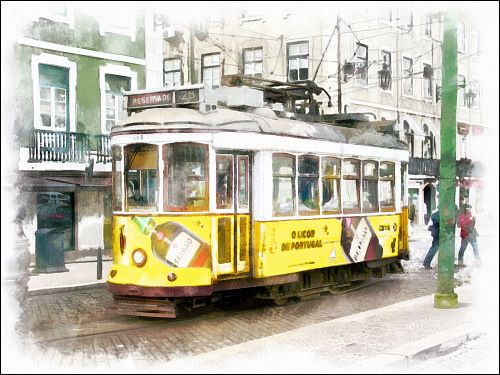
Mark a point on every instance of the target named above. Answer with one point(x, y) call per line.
point(429, 201)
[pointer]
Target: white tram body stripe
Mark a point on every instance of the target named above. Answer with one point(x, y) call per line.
point(265, 142)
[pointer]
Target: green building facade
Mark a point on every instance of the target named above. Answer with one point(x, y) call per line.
point(71, 68)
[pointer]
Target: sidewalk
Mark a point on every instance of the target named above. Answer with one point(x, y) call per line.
point(81, 274)
point(392, 338)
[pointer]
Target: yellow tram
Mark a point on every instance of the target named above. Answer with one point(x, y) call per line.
point(213, 190)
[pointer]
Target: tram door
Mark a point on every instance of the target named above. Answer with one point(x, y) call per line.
point(233, 202)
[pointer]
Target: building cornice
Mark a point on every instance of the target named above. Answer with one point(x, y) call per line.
point(80, 51)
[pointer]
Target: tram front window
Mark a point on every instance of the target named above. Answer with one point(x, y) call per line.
point(187, 177)
point(141, 176)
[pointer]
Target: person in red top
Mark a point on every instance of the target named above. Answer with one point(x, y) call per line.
point(468, 234)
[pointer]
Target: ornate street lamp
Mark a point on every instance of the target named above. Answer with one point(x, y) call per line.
point(384, 77)
point(348, 69)
point(470, 98)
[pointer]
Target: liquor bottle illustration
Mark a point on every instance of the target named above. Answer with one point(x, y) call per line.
point(175, 244)
point(359, 240)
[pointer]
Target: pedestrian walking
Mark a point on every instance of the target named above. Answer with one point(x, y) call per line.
point(434, 228)
point(468, 233)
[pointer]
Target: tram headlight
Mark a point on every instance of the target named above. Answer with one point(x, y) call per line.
point(139, 257)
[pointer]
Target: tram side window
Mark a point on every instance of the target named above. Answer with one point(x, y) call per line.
point(186, 177)
point(117, 178)
point(141, 175)
point(330, 168)
point(350, 185)
point(308, 185)
point(283, 184)
point(370, 186)
point(387, 178)
point(224, 181)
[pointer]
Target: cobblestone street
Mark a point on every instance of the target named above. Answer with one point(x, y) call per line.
point(74, 324)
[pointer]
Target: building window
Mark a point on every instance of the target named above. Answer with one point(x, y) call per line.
point(428, 26)
point(308, 185)
point(361, 72)
point(407, 76)
point(283, 185)
point(54, 92)
point(114, 80)
point(475, 41)
point(252, 62)
point(427, 83)
point(370, 186)
point(350, 185)
point(409, 137)
point(141, 176)
point(406, 21)
point(461, 91)
point(115, 86)
point(428, 144)
point(461, 37)
point(211, 69)
point(116, 20)
point(330, 169)
point(387, 178)
point(58, 11)
point(172, 72)
point(298, 61)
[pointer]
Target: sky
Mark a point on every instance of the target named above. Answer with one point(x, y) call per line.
point(14, 14)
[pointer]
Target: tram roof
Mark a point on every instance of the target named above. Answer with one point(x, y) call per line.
point(260, 121)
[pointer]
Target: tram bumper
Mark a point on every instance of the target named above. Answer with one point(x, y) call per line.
point(165, 282)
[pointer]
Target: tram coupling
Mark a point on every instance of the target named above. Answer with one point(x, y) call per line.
point(151, 307)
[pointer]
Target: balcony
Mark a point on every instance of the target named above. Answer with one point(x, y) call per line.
point(68, 152)
point(67, 147)
point(426, 167)
point(430, 167)
point(469, 168)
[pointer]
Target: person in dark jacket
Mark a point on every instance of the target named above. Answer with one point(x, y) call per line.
point(434, 228)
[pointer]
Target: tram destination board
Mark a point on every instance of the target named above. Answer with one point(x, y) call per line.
point(163, 98)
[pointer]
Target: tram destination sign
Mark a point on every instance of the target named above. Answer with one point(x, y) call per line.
point(164, 98)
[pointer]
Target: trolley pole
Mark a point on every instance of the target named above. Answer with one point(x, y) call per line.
point(339, 68)
point(445, 296)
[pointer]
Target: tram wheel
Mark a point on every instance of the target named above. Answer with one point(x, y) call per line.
point(280, 301)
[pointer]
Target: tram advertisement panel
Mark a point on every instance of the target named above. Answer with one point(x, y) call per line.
point(174, 244)
point(298, 245)
point(359, 240)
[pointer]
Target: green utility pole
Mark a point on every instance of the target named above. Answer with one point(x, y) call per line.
point(445, 296)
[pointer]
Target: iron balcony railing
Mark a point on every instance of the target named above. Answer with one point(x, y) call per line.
point(103, 149)
point(53, 146)
point(430, 167)
point(422, 166)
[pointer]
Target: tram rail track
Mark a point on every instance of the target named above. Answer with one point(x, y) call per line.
point(209, 313)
